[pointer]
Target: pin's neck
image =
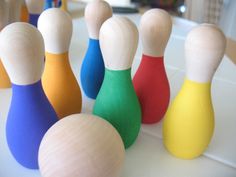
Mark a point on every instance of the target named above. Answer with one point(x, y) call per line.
point(37, 84)
point(152, 57)
point(57, 57)
point(190, 85)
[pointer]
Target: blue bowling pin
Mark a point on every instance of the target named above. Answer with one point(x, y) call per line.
point(48, 4)
point(35, 8)
point(30, 114)
point(92, 69)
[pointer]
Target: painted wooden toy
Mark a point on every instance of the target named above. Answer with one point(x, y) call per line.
point(92, 69)
point(35, 8)
point(4, 14)
point(59, 82)
point(30, 114)
point(117, 101)
point(24, 13)
point(150, 81)
point(189, 122)
point(81, 145)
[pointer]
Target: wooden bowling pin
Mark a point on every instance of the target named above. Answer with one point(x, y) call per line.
point(30, 114)
point(92, 69)
point(189, 122)
point(35, 8)
point(64, 5)
point(14, 10)
point(150, 81)
point(24, 13)
point(117, 101)
point(48, 4)
point(81, 145)
point(59, 82)
point(4, 78)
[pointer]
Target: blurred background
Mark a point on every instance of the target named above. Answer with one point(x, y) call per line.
point(220, 12)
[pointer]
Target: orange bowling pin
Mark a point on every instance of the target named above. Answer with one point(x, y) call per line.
point(59, 82)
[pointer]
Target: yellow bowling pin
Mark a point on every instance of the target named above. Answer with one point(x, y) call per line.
point(189, 122)
point(64, 5)
point(59, 82)
point(4, 79)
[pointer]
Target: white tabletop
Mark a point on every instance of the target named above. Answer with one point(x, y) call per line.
point(148, 157)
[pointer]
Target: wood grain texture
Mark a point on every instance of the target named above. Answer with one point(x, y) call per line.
point(81, 146)
point(14, 10)
point(118, 42)
point(35, 6)
point(56, 28)
point(155, 30)
point(204, 50)
point(96, 13)
point(4, 14)
point(22, 52)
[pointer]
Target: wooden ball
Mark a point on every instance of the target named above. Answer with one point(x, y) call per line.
point(155, 30)
point(81, 145)
point(118, 41)
point(56, 27)
point(204, 50)
point(22, 53)
point(35, 6)
point(96, 13)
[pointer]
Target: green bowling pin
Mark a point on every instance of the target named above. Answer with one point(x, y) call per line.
point(117, 101)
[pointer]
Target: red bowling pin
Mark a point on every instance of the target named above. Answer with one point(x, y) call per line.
point(150, 81)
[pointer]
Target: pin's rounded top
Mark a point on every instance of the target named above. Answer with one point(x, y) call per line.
point(35, 6)
point(95, 14)
point(3, 14)
point(22, 53)
point(155, 30)
point(80, 142)
point(118, 41)
point(204, 50)
point(56, 28)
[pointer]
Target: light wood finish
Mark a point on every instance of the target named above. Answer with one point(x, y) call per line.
point(118, 41)
point(22, 52)
point(155, 30)
point(35, 6)
point(3, 14)
point(14, 10)
point(231, 49)
point(204, 50)
point(95, 14)
point(56, 28)
point(81, 145)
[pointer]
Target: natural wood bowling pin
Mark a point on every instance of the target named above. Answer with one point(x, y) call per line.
point(81, 146)
point(92, 69)
point(14, 10)
point(35, 8)
point(189, 122)
point(4, 78)
point(24, 13)
point(30, 114)
point(117, 101)
point(150, 81)
point(59, 82)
